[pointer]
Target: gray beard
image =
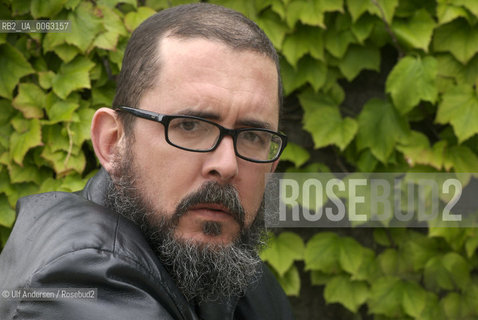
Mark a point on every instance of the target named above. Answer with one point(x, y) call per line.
point(203, 272)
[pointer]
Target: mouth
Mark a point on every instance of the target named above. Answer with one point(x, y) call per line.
point(214, 208)
point(214, 212)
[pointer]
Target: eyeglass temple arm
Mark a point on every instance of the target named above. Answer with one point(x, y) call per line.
point(145, 114)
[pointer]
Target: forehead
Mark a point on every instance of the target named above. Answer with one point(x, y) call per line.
point(211, 76)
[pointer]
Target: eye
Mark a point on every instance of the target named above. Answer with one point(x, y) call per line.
point(254, 137)
point(187, 125)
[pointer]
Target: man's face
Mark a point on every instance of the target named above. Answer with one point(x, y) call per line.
point(233, 88)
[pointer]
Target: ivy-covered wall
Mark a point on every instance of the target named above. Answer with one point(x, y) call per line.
point(370, 85)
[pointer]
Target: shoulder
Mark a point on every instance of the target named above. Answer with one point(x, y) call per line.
point(62, 240)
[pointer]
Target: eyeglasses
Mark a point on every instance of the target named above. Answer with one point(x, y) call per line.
point(200, 135)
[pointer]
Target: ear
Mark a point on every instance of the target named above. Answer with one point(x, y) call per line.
point(107, 136)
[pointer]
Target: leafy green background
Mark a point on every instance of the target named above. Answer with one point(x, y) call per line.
point(370, 85)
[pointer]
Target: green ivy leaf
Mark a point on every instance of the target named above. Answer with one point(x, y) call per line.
point(74, 182)
point(26, 173)
point(43, 9)
point(299, 43)
point(279, 8)
point(53, 40)
point(380, 128)
point(116, 57)
point(459, 38)
point(359, 58)
point(357, 8)
point(248, 8)
point(463, 160)
point(390, 262)
point(50, 184)
point(351, 255)
point(282, 251)
point(72, 76)
point(366, 161)
point(447, 12)
point(455, 237)
point(307, 12)
point(21, 142)
point(56, 137)
point(459, 107)
point(296, 154)
point(471, 295)
point(114, 28)
point(471, 245)
point(318, 278)
point(72, 4)
point(381, 237)
point(454, 306)
point(385, 9)
point(66, 52)
point(7, 214)
point(470, 5)
point(322, 253)
point(114, 3)
point(393, 297)
point(451, 68)
point(103, 96)
point(420, 249)
point(436, 276)
point(323, 120)
point(417, 31)
point(386, 296)
point(414, 299)
point(290, 282)
point(133, 19)
point(412, 80)
point(308, 70)
point(416, 149)
point(363, 27)
point(63, 162)
point(14, 66)
point(339, 37)
point(351, 294)
point(332, 5)
point(273, 26)
point(81, 129)
point(20, 7)
point(459, 269)
point(62, 110)
point(45, 79)
point(85, 25)
point(29, 100)
point(447, 272)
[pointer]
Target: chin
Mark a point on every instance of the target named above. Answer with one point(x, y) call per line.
point(203, 238)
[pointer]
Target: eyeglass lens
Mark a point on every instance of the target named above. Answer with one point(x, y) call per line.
point(195, 134)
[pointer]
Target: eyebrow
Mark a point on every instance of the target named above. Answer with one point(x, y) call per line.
point(252, 123)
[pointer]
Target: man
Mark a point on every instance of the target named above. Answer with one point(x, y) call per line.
point(170, 227)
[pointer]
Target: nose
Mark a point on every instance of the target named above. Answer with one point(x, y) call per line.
point(221, 164)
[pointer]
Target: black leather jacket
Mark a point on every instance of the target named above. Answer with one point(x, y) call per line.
point(69, 240)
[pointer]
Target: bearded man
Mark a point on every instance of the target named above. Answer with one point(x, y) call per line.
point(170, 227)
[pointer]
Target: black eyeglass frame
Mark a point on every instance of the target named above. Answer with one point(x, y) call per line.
point(166, 119)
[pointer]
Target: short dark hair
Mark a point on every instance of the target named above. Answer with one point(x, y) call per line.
point(199, 20)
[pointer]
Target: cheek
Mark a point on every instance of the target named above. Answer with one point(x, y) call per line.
point(252, 190)
point(164, 174)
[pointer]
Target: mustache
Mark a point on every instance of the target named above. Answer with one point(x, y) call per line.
point(213, 193)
